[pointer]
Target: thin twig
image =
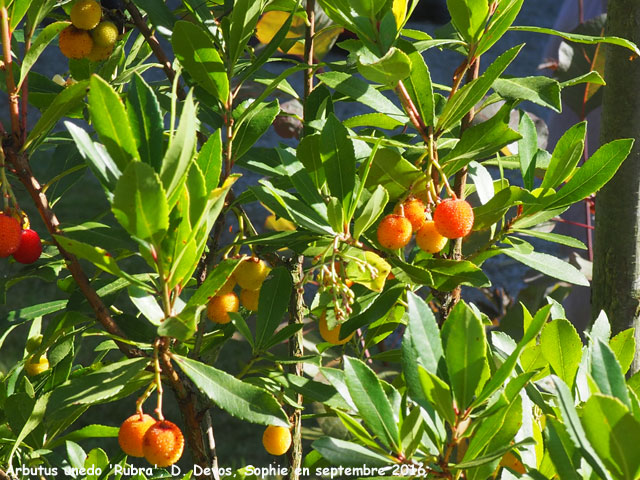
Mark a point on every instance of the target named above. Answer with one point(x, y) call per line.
point(14, 107)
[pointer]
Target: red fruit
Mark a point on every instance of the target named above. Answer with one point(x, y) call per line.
point(394, 231)
point(30, 247)
point(9, 235)
point(453, 218)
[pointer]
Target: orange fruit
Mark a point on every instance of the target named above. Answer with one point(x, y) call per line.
point(75, 43)
point(132, 432)
point(251, 273)
point(98, 53)
point(163, 444)
point(86, 14)
point(219, 307)
point(333, 335)
point(453, 218)
point(394, 231)
point(414, 211)
point(250, 299)
point(276, 440)
point(429, 239)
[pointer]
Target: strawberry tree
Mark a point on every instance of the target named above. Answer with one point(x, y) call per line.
point(154, 278)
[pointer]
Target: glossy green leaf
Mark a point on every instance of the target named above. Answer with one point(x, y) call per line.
point(240, 399)
point(492, 212)
point(209, 160)
point(146, 121)
point(448, 274)
point(562, 347)
point(549, 265)
point(341, 452)
point(371, 211)
point(437, 393)
point(469, 17)
point(623, 345)
point(338, 158)
point(253, 126)
point(244, 18)
point(308, 153)
point(394, 67)
point(566, 155)
point(38, 45)
point(272, 307)
point(181, 326)
point(561, 449)
point(607, 373)
point(499, 23)
point(420, 88)
point(527, 150)
point(393, 172)
point(540, 90)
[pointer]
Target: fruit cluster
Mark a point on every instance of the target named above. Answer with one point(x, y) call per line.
point(452, 218)
point(160, 442)
point(249, 275)
point(23, 244)
point(89, 36)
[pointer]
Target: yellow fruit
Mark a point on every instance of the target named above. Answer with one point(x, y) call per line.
point(163, 444)
point(227, 287)
point(276, 440)
point(414, 211)
point(75, 43)
point(35, 366)
point(429, 239)
point(132, 432)
point(250, 273)
point(249, 299)
point(86, 14)
point(219, 307)
point(98, 53)
point(333, 335)
point(105, 34)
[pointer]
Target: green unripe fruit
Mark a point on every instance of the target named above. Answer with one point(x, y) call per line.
point(105, 34)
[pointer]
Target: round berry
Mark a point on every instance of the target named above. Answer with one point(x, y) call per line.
point(163, 444)
point(35, 366)
point(394, 231)
point(249, 299)
point(10, 235)
point(428, 238)
point(132, 432)
point(414, 211)
point(219, 307)
point(251, 273)
point(86, 14)
point(453, 218)
point(227, 287)
point(333, 335)
point(98, 53)
point(30, 247)
point(276, 440)
point(105, 34)
point(75, 43)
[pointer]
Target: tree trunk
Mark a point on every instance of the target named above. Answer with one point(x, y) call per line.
point(616, 274)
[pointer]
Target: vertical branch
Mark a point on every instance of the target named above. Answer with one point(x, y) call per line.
point(308, 47)
point(296, 315)
point(14, 107)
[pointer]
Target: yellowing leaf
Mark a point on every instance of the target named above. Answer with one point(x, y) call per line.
point(278, 224)
point(399, 10)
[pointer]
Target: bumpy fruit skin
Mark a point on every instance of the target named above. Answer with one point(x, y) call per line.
point(394, 231)
point(30, 247)
point(105, 34)
point(86, 14)
point(35, 366)
point(276, 440)
point(132, 432)
point(227, 287)
point(414, 211)
point(75, 43)
point(98, 53)
point(163, 444)
point(429, 239)
point(453, 218)
point(250, 273)
point(333, 335)
point(10, 235)
point(219, 307)
point(249, 299)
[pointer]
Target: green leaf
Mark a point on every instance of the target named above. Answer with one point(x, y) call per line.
point(420, 89)
point(244, 18)
point(308, 153)
point(146, 304)
point(540, 90)
point(181, 326)
point(469, 95)
point(338, 157)
point(395, 66)
point(421, 344)
point(527, 150)
point(566, 155)
point(574, 37)
point(240, 399)
point(272, 308)
point(362, 92)
point(437, 393)
point(140, 203)
point(499, 23)
point(593, 174)
point(465, 354)
point(253, 126)
point(111, 122)
point(146, 121)
point(575, 429)
point(448, 274)
point(373, 277)
point(44, 38)
point(159, 14)
point(393, 172)
point(198, 55)
point(623, 346)
point(210, 160)
point(614, 434)
point(372, 403)
point(492, 212)
point(66, 101)
point(553, 237)
point(560, 449)
point(371, 211)
point(34, 413)
point(561, 346)
point(469, 17)
point(341, 452)
point(481, 141)
point(549, 265)
point(607, 373)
